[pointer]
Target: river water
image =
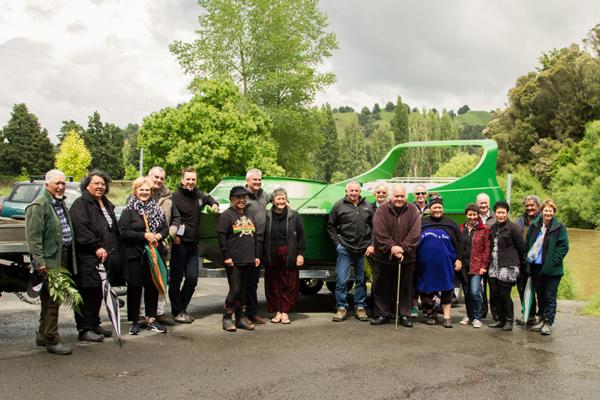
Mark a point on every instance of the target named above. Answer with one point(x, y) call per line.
point(584, 261)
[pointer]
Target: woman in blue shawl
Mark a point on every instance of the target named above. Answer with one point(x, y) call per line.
point(438, 256)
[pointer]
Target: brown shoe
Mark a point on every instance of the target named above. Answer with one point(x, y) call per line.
point(361, 314)
point(340, 315)
point(244, 323)
point(258, 320)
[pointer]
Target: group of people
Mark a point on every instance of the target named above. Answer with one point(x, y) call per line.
point(88, 238)
point(414, 245)
point(415, 240)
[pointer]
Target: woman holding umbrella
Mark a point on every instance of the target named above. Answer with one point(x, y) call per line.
point(283, 256)
point(236, 232)
point(142, 223)
point(439, 254)
point(547, 246)
point(97, 240)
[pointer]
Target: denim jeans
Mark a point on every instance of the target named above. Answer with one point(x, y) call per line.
point(546, 288)
point(184, 263)
point(345, 261)
point(473, 297)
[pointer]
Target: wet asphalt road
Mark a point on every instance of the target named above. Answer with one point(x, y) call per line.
point(309, 359)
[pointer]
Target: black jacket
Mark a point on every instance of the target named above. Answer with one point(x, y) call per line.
point(511, 247)
point(189, 203)
point(296, 242)
point(350, 225)
point(91, 232)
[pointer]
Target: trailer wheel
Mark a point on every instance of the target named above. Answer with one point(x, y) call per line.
point(310, 286)
point(331, 285)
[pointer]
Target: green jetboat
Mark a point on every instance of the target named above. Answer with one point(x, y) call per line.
point(314, 199)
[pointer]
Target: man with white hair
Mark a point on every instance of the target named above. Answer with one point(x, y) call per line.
point(51, 245)
point(483, 203)
point(396, 231)
point(256, 202)
point(350, 228)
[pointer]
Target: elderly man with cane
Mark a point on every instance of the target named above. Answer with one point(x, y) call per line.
point(396, 230)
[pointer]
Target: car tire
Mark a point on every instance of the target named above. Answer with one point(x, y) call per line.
point(310, 286)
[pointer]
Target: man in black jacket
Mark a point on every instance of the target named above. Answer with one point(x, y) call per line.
point(256, 203)
point(189, 201)
point(350, 228)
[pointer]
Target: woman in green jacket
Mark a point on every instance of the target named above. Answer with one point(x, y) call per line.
point(547, 245)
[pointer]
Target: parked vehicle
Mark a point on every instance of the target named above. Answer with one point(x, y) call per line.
point(314, 200)
point(25, 192)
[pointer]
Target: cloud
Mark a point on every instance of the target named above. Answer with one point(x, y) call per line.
point(445, 54)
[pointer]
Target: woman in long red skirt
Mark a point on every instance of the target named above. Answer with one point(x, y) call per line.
point(283, 256)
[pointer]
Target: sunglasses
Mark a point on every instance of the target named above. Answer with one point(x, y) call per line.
point(420, 193)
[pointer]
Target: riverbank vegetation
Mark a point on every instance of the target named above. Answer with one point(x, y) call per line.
point(592, 307)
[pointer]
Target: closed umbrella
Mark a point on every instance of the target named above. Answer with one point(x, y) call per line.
point(111, 300)
point(158, 269)
point(527, 301)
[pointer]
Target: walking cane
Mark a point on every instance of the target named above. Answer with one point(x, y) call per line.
point(398, 293)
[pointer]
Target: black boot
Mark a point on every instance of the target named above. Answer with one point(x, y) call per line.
point(228, 323)
point(241, 320)
point(497, 324)
point(508, 325)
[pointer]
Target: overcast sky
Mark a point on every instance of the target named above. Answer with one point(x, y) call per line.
point(66, 59)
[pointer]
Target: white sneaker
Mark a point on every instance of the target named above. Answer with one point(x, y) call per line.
point(477, 324)
point(465, 321)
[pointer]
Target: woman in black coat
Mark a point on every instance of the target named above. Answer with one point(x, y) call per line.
point(97, 241)
point(283, 257)
point(135, 237)
point(507, 255)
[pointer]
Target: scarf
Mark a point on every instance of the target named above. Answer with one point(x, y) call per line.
point(536, 248)
point(151, 209)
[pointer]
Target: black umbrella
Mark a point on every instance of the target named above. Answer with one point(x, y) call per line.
point(111, 300)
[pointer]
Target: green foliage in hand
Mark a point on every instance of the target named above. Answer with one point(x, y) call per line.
point(218, 132)
point(62, 289)
point(73, 158)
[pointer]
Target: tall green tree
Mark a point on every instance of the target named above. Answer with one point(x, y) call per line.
point(271, 49)
point(73, 158)
point(553, 102)
point(218, 131)
point(274, 52)
point(382, 141)
point(27, 147)
point(352, 158)
point(68, 126)
point(326, 157)
point(131, 152)
point(296, 131)
point(105, 143)
point(400, 130)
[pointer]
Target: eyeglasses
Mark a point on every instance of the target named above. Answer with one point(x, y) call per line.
point(420, 193)
point(380, 192)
